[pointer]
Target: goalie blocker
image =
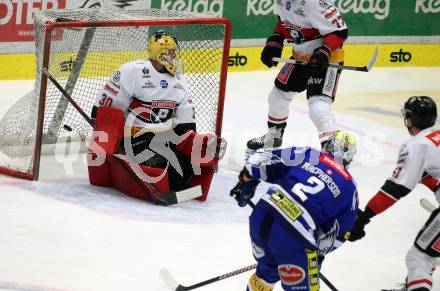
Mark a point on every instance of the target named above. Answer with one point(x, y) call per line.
point(109, 166)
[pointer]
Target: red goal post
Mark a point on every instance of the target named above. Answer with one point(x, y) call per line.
point(83, 48)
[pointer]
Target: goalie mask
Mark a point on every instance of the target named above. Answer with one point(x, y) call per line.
point(163, 47)
point(343, 147)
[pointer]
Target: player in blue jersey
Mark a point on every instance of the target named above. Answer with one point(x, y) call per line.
point(307, 212)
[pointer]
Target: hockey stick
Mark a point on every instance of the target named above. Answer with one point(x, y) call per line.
point(366, 68)
point(427, 205)
point(68, 97)
point(173, 285)
point(158, 197)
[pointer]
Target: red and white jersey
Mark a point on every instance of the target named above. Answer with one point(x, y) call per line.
point(419, 157)
point(308, 20)
point(154, 98)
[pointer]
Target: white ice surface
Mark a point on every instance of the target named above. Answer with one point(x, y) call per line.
point(60, 233)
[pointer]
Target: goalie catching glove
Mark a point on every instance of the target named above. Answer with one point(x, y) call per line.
point(245, 188)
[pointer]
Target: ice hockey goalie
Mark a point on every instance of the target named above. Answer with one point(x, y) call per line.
point(145, 142)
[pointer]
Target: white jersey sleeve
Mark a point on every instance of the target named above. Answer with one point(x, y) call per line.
point(185, 111)
point(410, 165)
point(325, 17)
point(118, 89)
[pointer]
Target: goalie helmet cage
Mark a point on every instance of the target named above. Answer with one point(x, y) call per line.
point(82, 48)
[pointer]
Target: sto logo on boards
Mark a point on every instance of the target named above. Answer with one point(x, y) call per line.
point(400, 56)
point(237, 60)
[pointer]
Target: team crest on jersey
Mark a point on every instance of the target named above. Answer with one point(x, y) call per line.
point(291, 274)
point(117, 76)
point(288, 5)
point(164, 84)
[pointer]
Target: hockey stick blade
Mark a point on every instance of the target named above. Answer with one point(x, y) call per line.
point(169, 280)
point(366, 68)
point(373, 60)
point(427, 205)
point(173, 285)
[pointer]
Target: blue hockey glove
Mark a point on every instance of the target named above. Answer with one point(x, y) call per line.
point(244, 190)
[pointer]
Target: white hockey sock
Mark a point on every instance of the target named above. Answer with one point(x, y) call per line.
point(420, 267)
point(279, 102)
point(321, 114)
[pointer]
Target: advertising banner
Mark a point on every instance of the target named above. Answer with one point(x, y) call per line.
point(251, 19)
point(16, 16)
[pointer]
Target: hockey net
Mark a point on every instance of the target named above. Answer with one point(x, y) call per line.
point(81, 49)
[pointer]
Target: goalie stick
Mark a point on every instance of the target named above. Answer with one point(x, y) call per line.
point(169, 198)
point(365, 68)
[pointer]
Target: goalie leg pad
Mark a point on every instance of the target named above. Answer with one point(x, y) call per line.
point(204, 180)
point(109, 123)
point(420, 267)
point(133, 182)
point(257, 284)
point(428, 239)
point(108, 130)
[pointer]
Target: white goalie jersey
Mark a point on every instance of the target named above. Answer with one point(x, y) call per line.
point(154, 100)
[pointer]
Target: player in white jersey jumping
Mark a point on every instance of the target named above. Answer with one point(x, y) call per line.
point(418, 162)
point(153, 98)
point(318, 31)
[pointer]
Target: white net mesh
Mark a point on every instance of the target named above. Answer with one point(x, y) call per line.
point(82, 58)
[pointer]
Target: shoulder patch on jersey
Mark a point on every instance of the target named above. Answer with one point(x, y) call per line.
point(117, 76)
point(434, 137)
point(329, 161)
